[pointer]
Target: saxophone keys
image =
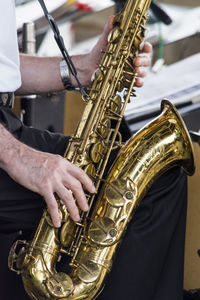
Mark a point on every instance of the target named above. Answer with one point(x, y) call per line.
point(96, 152)
point(125, 50)
point(102, 231)
point(49, 220)
point(88, 271)
point(59, 285)
point(115, 104)
point(129, 195)
point(104, 128)
point(120, 86)
point(143, 31)
point(114, 62)
point(97, 75)
point(114, 35)
point(114, 195)
point(90, 171)
point(67, 233)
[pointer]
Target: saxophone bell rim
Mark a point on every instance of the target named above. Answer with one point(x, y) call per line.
point(189, 167)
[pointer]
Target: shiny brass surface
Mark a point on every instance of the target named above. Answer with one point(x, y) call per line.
point(160, 145)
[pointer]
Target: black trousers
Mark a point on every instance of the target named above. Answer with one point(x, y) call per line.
point(149, 262)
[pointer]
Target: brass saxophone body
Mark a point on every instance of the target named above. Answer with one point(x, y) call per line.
point(162, 144)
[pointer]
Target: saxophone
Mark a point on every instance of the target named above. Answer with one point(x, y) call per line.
point(90, 245)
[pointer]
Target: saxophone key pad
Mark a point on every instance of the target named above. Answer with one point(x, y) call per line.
point(104, 128)
point(102, 231)
point(129, 195)
point(59, 285)
point(96, 152)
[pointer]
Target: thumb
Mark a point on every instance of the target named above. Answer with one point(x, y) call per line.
point(103, 40)
point(108, 26)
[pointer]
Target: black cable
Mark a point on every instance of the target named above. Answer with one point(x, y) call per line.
point(160, 13)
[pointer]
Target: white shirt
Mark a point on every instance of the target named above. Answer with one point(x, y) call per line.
point(10, 78)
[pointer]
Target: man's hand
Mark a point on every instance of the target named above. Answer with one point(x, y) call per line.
point(142, 62)
point(45, 174)
point(87, 64)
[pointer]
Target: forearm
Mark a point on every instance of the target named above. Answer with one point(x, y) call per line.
point(39, 74)
point(42, 74)
point(9, 146)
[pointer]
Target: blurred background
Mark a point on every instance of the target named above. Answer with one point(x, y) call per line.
point(173, 29)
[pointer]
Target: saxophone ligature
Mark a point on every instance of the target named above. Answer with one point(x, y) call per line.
point(91, 244)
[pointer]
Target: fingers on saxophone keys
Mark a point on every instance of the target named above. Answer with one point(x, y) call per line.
point(67, 198)
point(142, 61)
point(84, 179)
point(141, 71)
point(53, 209)
point(139, 82)
point(145, 47)
point(76, 187)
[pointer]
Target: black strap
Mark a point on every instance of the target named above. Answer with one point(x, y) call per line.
point(7, 99)
point(61, 45)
